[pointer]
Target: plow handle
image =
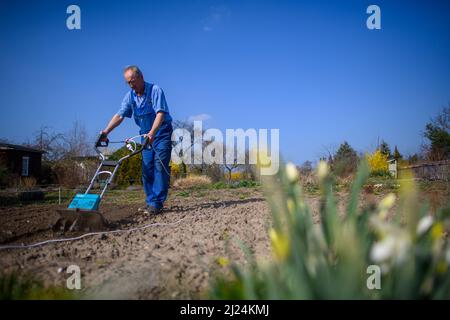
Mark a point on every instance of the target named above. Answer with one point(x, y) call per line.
point(102, 140)
point(138, 150)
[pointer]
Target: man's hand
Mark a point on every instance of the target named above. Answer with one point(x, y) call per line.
point(155, 127)
point(103, 135)
point(150, 137)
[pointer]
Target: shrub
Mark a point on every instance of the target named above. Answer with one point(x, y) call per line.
point(193, 181)
point(378, 163)
point(130, 170)
point(246, 184)
point(27, 183)
point(235, 176)
point(72, 173)
point(344, 161)
point(220, 185)
point(331, 259)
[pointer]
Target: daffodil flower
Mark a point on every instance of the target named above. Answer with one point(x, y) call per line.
point(322, 170)
point(292, 172)
point(280, 244)
point(424, 224)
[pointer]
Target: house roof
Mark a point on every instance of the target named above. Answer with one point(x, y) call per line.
point(8, 146)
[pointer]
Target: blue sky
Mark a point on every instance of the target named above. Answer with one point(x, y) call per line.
point(310, 68)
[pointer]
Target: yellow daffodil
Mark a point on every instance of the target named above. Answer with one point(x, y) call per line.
point(386, 204)
point(322, 170)
point(222, 261)
point(437, 231)
point(280, 244)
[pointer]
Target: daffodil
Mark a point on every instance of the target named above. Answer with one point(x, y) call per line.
point(386, 204)
point(424, 224)
point(292, 172)
point(393, 247)
point(280, 244)
point(222, 261)
point(322, 170)
point(437, 231)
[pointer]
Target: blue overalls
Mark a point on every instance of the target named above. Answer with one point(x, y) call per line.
point(154, 177)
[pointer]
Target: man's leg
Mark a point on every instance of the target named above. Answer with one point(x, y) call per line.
point(148, 177)
point(163, 149)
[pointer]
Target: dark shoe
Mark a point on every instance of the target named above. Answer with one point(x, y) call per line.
point(150, 210)
point(154, 210)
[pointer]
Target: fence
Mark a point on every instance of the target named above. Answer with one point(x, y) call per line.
point(436, 170)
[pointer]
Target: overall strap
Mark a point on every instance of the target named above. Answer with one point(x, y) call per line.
point(150, 93)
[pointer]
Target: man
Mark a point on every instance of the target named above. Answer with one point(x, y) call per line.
point(146, 102)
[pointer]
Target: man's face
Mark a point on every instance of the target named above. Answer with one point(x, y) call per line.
point(134, 81)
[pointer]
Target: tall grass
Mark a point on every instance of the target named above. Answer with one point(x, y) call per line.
point(24, 287)
point(331, 259)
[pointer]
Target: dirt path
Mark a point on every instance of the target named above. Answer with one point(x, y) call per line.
point(172, 261)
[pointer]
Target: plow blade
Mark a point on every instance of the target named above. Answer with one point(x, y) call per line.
point(80, 220)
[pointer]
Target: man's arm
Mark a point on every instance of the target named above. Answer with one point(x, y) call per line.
point(155, 127)
point(115, 121)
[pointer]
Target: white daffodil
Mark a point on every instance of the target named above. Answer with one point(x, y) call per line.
point(424, 224)
point(292, 172)
point(383, 250)
point(392, 248)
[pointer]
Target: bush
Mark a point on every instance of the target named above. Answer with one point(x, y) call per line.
point(72, 173)
point(344, 161)
point(246, 184)
point(130, 171)
point(330, 260)
point(27, 183)
point(193, 181)
point(378, 163)
point(47, 175)
point(220, 185)
point(236, 184)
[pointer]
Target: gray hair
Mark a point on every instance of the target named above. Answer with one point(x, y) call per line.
point(135, 70)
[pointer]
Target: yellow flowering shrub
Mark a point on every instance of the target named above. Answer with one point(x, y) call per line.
point(235, 176)
point(378, 163)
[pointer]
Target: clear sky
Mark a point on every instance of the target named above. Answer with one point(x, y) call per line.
point(310, 68)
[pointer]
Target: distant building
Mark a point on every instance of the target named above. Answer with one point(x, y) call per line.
point(20, 160)
point(393, 168)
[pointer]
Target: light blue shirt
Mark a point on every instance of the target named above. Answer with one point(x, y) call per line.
point(158, 99)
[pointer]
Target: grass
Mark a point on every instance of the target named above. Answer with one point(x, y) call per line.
point(25, 287)
point(183, 194)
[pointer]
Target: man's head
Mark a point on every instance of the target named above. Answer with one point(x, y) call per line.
point(133, 76)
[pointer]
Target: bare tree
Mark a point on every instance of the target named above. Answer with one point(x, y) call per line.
point(50, 142)
point(189, 126)
point(77, 141)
